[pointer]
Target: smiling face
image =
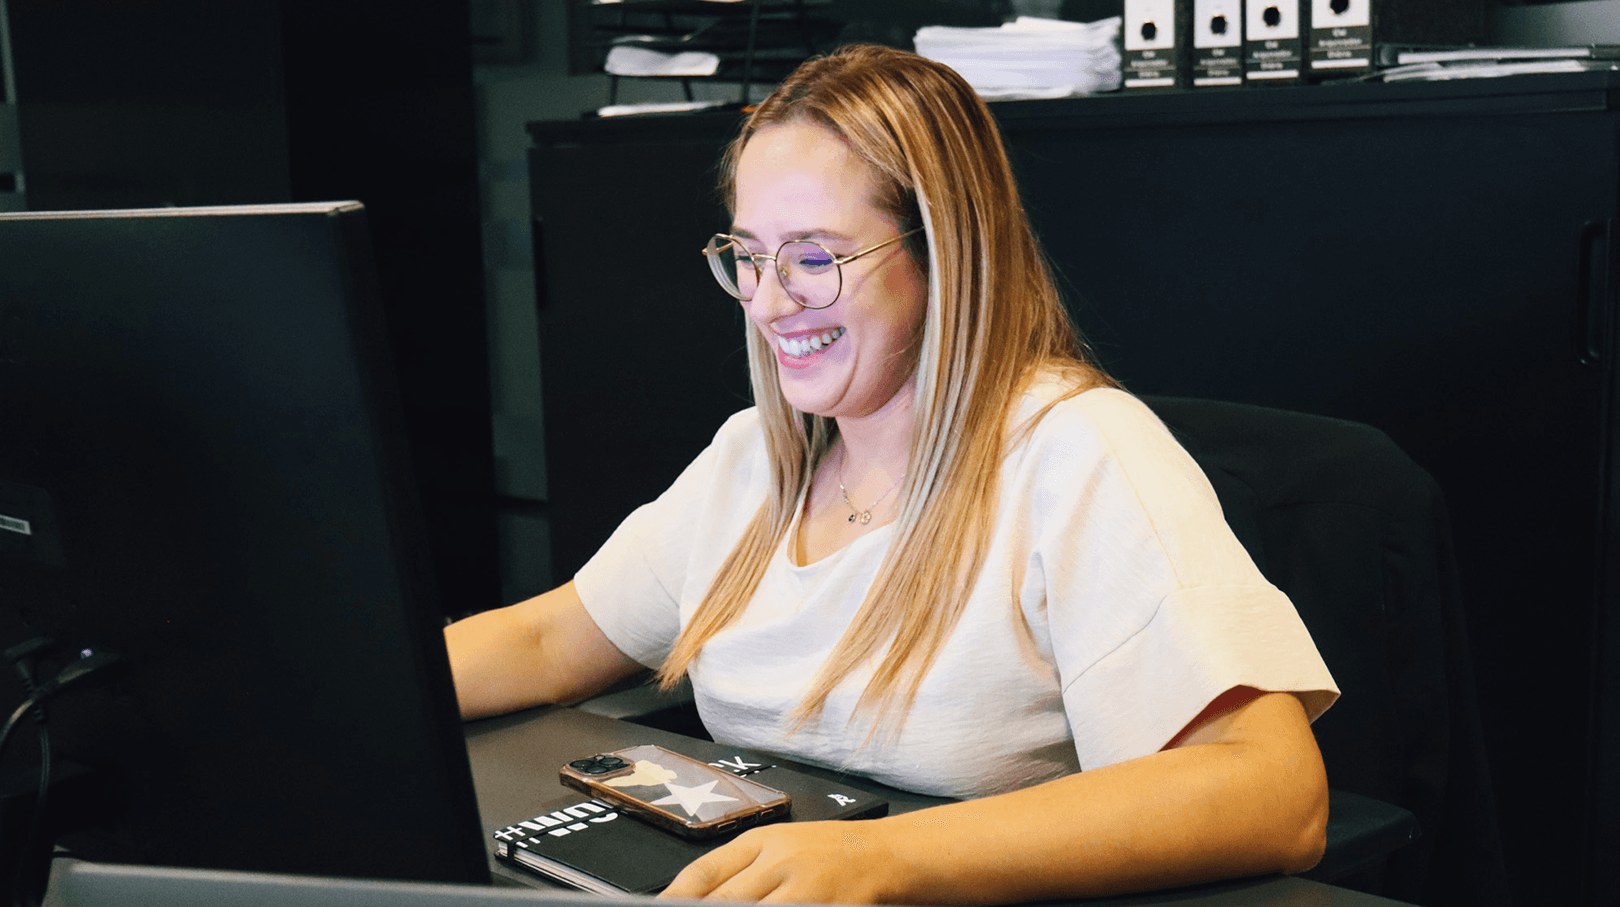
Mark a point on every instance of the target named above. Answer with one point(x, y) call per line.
point(853, 358)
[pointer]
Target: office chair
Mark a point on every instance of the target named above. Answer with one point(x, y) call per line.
point(1356, 533)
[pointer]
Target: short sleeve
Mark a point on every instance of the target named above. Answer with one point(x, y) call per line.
point(1154, 607)
point(660, 560)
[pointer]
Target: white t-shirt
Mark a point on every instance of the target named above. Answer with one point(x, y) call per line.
point(1113, 606)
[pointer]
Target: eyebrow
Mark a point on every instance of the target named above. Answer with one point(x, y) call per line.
point(816, 235)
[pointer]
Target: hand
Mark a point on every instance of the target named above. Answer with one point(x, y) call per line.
point(798, 862)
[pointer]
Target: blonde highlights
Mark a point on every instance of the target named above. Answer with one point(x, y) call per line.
point(993, 320)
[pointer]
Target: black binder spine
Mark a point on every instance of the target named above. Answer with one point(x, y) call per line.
point(1341, 37)
point(1272, 42)
point(1217, 43)
point(1156, 44)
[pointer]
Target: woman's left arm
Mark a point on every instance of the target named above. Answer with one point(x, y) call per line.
point(1241, 791)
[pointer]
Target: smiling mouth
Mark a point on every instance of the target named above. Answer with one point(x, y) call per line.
point(800, 347)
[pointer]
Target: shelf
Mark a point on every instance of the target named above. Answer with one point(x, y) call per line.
point(1588, 92)
point(784, 33)
point(1540, 93)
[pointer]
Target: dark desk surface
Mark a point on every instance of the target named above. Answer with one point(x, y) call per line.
point(515, 760)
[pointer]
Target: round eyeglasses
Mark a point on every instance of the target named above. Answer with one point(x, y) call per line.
point(812, 276)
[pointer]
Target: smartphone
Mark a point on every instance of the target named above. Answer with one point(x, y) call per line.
point(679, 794)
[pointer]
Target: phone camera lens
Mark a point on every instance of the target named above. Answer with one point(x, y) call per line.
point(598, 765)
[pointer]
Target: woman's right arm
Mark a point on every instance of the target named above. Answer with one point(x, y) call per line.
point(542, 651)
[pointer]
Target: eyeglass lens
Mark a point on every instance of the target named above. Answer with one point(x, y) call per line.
point(809, 273)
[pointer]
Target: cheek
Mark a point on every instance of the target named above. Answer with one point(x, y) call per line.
point(910, 291)
point(753, 319)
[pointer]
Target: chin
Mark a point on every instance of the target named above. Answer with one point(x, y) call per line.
point(816, 406)
point(812, 397)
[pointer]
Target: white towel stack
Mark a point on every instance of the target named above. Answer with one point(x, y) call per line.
point(1029, 57)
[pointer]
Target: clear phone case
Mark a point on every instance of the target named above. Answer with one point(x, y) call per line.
point(675, 792)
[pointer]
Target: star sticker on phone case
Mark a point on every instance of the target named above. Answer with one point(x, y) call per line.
point(647, 774)
point(690, 798)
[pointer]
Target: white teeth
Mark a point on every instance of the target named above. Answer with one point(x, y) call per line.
point(799, 348)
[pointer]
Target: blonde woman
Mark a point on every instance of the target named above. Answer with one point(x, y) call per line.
point(943, 550)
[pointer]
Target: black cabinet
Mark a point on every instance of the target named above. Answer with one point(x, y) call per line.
point(1432, 259)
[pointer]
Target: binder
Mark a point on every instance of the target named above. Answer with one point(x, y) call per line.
point(1217, 43)
point(1155, 33)
point(1272, 42)
point(1341, 37)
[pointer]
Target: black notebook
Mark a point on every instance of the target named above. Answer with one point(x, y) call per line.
point(594, 846)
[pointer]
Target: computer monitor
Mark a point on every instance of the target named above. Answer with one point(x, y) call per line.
point(115, 885)
point(203, 470)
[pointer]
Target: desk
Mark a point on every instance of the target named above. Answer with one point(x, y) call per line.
point(515, 759)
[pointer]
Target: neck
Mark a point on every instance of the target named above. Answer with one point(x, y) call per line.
point(879, 441)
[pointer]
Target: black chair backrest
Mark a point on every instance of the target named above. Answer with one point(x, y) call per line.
point(1356, 533)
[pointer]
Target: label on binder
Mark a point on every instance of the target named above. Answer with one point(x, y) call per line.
point(1150, 44)
point(1272, 48)
point(1217, 40)
point(1341, 34)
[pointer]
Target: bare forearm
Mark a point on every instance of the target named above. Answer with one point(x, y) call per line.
point(484, 652)
point(544, 650)
point(1177, 817)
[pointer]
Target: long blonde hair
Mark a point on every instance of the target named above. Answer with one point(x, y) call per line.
point(993, 319)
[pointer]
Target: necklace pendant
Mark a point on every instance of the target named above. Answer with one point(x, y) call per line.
point(866, 517)
point(851, 518)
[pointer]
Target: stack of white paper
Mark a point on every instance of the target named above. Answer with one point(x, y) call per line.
point(1486, 69)
point(1029, 57)
point(628, 60)
point(628, 110)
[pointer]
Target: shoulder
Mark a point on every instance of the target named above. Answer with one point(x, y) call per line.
point(1103, 444)
point(740, 437)
point(731, 463)
point(741, 428)
point(1109, 421)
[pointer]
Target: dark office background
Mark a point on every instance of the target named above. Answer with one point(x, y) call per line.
point(418, 109)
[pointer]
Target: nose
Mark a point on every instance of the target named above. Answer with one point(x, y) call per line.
point(772, 299)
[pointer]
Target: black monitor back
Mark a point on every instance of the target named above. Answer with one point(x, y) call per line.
point(202, 469)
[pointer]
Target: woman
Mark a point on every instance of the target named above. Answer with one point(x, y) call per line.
point(943, 550)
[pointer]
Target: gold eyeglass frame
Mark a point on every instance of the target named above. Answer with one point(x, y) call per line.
point(713, 249)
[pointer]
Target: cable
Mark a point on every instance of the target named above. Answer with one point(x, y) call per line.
point(74, 673)
point(77, 671)
point(18, 895)
point(30, 892)
point(22, 658)
point(30, 874)
point(5, 734)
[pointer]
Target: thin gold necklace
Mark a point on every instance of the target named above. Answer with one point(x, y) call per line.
point(857, 515)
